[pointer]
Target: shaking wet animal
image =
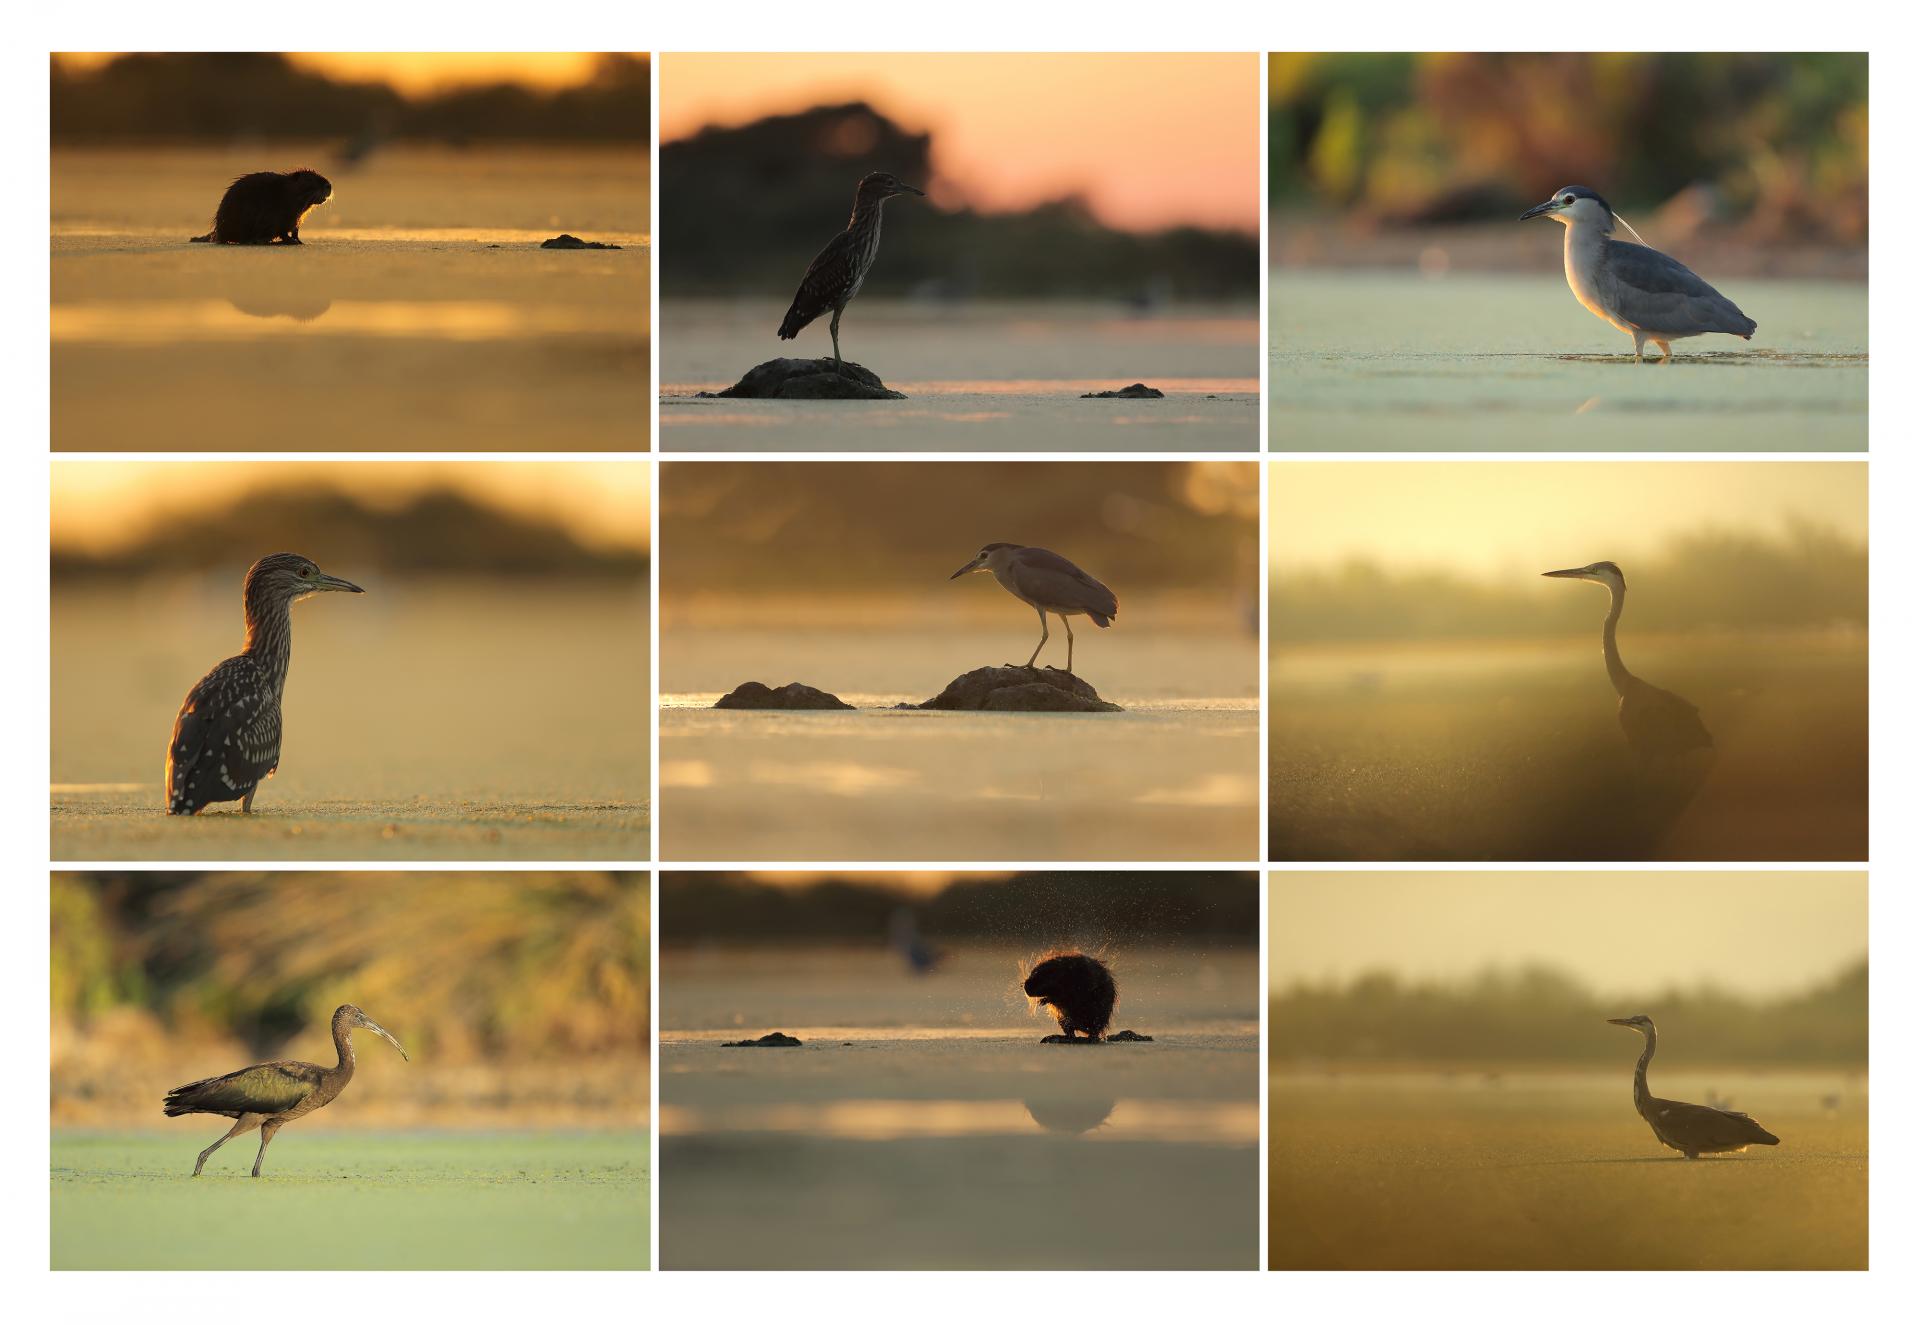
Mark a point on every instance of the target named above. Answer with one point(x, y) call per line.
point(226, 739)
point(271, 1095)
point(1638, 289)
point(266, 207)
point(1079, 990)
point(1046, 582)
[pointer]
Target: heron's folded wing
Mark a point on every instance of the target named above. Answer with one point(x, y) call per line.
point(229, 729)
point(827, 275)
point(264, 1088)
point(1049, 577)
point(1663, 294)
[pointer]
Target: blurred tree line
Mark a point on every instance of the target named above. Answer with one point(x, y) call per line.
point(483, 965)
point(436, 531)
point(744, 210)
point(216, 96)
point(1160, 907)
point(1805, 577)
point(1777, 142)
point(1539, 1014)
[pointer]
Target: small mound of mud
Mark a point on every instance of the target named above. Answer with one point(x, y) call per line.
point(1013, 689)
point(1138, 391)
point(771, 1040)
point(570, 241)
point(792, 695)
point(1129, 1037)
point(1118, 1037)
point(806, 379)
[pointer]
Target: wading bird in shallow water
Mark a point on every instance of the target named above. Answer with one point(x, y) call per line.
point(271, 1095)
point(226, 739)
point(1046, 582)
point(835, 277)
point(1640, 290)
point(1692, 1129)
point(1661, 727)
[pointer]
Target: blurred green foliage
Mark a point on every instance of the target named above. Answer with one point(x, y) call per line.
point(1540, 1014)
point(463, 965)
point(1806, 577)
point(1778, 141)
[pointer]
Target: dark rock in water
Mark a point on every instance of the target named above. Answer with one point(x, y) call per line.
point(771, 1040)
point(568, 241)
point(1019, 690)
point(1138, 391)
point(792, 695)
point(806, 379)
point(1130, 1037)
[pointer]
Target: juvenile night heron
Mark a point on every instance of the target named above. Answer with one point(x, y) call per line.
point(271, 1095)
point(1046, 582)
point(1661, 727)
point(834, 278)
point(1692, 1129)
point(1640, 290)
point(226, 739)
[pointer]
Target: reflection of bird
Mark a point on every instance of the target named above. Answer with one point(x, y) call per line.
point(1692, 1129)
point(1640, 290)
point(834, 277)
point(271, 1095)
point(226, 739)
point(1046, 582)
point(1660, 726)
point(904, 937)
point(1071, 1115)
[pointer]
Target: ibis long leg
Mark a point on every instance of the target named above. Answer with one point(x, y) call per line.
point(266, 1135)
point(246, 1122)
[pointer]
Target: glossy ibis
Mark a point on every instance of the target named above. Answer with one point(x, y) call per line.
point(270, 1095)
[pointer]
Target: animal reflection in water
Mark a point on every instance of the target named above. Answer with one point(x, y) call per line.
point(1692, 1129)
point(1071, 1115)
point(270, 1095)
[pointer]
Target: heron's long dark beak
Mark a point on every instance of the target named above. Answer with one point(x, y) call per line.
point(380, 1030)
point(335, 583)
point(1549, 205)
point(964, 569)
point(1563, 574)
point(908, 188)
point(1621, 1021)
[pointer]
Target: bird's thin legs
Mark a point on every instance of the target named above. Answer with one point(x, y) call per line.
point(1666, 350)
point(246, 801)
point(833, 329)
point(1043, 639)
point(1069, 625)
point(240, 1125)
point(1639, 348)
point(266, 1135)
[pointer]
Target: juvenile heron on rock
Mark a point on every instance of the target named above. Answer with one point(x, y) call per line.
point(834, 278)
point(226, 739)
point(1046, 582)
point(1692, 1129)
point(1640, 290)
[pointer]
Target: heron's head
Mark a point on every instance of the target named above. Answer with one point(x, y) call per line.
point(1600, 572)
point(1574, 205)
point(1641, 1022)
point(310, 187)
point(358, 1020)
point(988, 557)
point(881, 185)
point(289, 577)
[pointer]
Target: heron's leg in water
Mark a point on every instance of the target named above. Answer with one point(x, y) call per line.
point(1639, 347)
point(1666, 350)
point(266, 1135)
point(1043, 635)
point(240, 1125)
point(246, 801)
point(1069, 625)
point(833, 329)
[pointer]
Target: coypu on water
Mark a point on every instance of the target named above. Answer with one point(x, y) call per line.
point(266, 206)
point(1080, 991)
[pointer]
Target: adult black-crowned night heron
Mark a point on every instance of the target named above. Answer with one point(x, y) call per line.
point(226, 740)
point(1692, 1129)
point(1640, 290)
point(1046, 582)
point(1660, 726)
point(834, 278)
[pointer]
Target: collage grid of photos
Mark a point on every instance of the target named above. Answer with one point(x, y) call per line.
point(661, 856)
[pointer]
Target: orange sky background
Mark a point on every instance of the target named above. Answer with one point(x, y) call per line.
point(1149, 140)
point(102, 506)
point(415, 73)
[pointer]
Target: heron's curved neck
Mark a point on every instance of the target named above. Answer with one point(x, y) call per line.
point(270, 634)
point(1640, 1092)
point(343, 1043)
point(1610, 646)
point(866, 214)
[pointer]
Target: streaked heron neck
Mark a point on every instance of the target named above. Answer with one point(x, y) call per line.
point(866, 215)
point(270, 635)
point(1610, 646)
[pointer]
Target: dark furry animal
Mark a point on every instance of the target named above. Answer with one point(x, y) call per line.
point(1079, 990)
point(266, 207)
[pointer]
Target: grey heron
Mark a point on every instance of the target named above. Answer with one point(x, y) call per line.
point(834, 277)
point(1692, 1129)
point(1046, 582)
point(1638, 289)
point(1660, 726)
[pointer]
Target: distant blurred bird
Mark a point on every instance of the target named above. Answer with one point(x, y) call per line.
point(1661, 727)
point(1638, 289)
point(226, 739)
point(904, 937)
point(1046, 582)
point(1692, 1129)
point(835, 276)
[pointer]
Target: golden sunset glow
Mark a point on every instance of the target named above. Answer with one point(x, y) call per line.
point(417, 73)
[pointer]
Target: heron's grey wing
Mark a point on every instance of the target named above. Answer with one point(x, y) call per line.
point(263, 1088)
point(1048, 577)
point(828, 275)
point(226, 737)
point(1708, 1128)
point(1658, 294)
point(1660, 722)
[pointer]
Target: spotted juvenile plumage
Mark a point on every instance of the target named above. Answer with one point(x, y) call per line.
point(226, 738)
point(835, 276)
